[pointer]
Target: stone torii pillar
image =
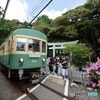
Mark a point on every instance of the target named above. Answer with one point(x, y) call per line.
point(54, 50)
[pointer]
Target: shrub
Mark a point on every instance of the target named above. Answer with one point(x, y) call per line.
point(93, 72)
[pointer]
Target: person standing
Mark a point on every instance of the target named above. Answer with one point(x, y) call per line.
point(47, 66)
point(59, 65)
point(51, 63)
point(64, 68)
point(54, 68)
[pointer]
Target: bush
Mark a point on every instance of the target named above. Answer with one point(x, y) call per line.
point(93, 72)
point(80, 53)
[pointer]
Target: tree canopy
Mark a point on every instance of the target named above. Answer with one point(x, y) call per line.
point(80, 53)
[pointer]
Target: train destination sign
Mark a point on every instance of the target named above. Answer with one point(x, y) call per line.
point(34, 55)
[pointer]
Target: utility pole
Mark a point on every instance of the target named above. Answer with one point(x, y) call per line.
point(6, 8)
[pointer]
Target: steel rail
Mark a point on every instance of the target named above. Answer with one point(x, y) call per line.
point(62, 95)
point(33, 97)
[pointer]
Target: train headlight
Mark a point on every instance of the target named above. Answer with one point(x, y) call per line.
point(43, 60)
point(21, 60)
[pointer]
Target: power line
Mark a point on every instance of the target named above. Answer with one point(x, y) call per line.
point(37, 7)
point(40, 11)
point(6, 8)
point(32, 9)
point(64, 4)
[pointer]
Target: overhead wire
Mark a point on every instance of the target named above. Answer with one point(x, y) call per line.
point(34, 7)
point(6, 8)
point(40, 11)
point(64, 4)
point(37, 7)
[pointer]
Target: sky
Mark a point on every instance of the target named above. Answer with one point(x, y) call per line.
point(26, 10)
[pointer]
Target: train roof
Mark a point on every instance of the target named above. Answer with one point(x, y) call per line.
point(30, 32)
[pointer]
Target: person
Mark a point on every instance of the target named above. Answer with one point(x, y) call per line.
point(59, 68)
point(30, 48)
point(80, 67)
point(98, 58)
point(54, 68)
point(51, 62)
point(47, 66)
point(64, 68)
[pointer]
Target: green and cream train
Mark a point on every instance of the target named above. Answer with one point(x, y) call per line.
point(24, 52)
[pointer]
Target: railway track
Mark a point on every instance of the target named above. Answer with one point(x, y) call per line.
point(25, 90)
point(37, 97)
point(58, 93)
point(32, 96)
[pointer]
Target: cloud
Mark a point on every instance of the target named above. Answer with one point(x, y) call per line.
point(78, 3)
point(52, 14)
point(16, 9)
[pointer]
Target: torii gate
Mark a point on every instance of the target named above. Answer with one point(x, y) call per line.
point(60, 45)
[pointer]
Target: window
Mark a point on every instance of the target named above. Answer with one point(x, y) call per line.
point(3, 48)
point(44, 47)
point(8, 45)
point(21, 44)
point(33, 45)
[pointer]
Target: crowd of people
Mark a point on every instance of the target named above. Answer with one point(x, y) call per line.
point(58, 66)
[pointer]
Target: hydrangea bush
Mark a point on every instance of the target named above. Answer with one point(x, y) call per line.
point(93, 72)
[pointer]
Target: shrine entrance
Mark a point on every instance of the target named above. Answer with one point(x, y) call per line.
point(55, 49)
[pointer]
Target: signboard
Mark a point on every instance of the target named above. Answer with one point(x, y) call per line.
point(34, 55)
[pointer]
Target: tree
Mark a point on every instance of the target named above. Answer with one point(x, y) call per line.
point(1, 12)
point(71, 32)
point(16, 24)
point(80, 53)
point(42, 21)
point(5, 27)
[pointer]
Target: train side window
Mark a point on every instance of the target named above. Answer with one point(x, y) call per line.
point(8, 45)
point(33, 45)
point(21, 44)
point(0, 51)
point(43, 47)
point(3, 48)
point(30, 45)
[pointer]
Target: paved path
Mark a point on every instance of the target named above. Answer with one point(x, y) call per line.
point(42, 93)
point(63, 86)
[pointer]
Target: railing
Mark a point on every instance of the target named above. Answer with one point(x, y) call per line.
point(78, 76)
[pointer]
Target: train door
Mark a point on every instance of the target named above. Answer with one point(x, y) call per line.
point(9, 51)
point(3, 57)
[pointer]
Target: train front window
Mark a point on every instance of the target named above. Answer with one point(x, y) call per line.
point(33, 45)
point(44, 47)
point(21, 44)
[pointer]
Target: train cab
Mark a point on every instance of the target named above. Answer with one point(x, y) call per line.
point(27, 51)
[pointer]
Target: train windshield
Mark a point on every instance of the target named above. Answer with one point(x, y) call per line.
point(43, 47)
point(33, 45)
point(21, 44)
